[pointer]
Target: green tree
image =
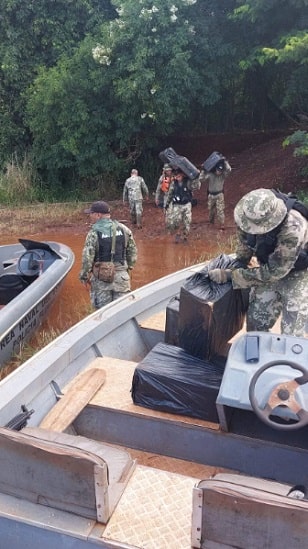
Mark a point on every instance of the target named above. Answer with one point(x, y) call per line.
point(154, 69)
point(274, 45)
point(34, 34)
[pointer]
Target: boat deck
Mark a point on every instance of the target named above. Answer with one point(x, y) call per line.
point(117, 396)
point(155, 509)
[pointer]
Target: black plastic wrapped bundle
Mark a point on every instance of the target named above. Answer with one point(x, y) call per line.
point(210, 314)
point(170, 380)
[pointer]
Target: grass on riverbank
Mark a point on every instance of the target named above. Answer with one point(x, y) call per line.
point(38, 217)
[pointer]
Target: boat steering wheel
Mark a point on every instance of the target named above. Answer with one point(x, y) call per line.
point(282, 395)
point(30, 262)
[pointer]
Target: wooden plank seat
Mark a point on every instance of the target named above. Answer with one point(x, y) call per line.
point(80, 392)
point(62, 471)
point(240, 511)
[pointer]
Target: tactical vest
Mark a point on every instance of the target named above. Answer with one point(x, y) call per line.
point(181, 194)
point(105, 243)
point(263, 246)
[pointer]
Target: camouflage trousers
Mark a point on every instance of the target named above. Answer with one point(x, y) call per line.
point(102, 293)
point(178, 218)
point(216, 205)
point(288, 297)
point(136, 210)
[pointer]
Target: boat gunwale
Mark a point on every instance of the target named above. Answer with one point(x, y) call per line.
point(81, 337)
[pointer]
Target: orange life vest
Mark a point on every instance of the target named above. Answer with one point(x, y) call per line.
point(165, 184)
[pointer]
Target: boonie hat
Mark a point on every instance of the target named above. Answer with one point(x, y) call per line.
point(259, 212)
point(98, 207)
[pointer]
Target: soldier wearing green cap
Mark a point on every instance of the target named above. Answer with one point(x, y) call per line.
point(278, 239)
point(107, 241)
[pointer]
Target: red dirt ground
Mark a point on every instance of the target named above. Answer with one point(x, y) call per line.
point(257, 160)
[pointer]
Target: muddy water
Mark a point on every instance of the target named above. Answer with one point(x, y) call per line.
point(156, 258)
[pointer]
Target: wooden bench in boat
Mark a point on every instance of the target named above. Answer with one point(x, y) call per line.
point(138, 494)
point(99, 386)
point(82, 389)
point(62, 471)
point(240, 511)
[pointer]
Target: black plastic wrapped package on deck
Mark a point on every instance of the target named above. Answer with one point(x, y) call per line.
point(172, 321)
point(170, 380)
point(210, 314)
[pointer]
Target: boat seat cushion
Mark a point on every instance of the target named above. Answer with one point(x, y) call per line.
point(254, 513)
point(119, 461)
point(171, 380)
point(65, 472)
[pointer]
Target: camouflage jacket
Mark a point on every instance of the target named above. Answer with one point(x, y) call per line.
point(135, 188)
point(291, 239)
point(90, 249)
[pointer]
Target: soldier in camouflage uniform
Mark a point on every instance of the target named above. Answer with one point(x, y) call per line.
point(215, 194)
point(178, 205)
point(134, 190)
point(278, 238)
point(98, 248)
point(163, 185)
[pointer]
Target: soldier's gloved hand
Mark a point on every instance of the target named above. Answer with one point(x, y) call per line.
point(220, 276)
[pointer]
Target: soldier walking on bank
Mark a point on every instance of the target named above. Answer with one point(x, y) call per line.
point(134, 191)
point(216, 180)
point(178, 207)
point(108, 241)
point(163, 185)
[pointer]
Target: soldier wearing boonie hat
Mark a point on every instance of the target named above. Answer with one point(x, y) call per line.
point(259, 212)
point(278, 239)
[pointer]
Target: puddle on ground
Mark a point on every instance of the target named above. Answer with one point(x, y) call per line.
point(157, 257)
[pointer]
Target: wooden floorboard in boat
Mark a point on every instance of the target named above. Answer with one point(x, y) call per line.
point(155, 322)
point(174, 465)
point(116, 392)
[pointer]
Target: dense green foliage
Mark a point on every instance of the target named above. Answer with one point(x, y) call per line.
point(90, 87)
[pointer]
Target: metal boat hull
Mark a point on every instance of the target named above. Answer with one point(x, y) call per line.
point(124, 332)
point(22, 315)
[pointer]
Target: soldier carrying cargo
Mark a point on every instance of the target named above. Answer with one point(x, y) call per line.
point(178, 205)
point(216, 169)
point(278, 238)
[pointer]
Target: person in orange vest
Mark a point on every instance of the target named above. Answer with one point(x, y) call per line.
point(163, 186)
